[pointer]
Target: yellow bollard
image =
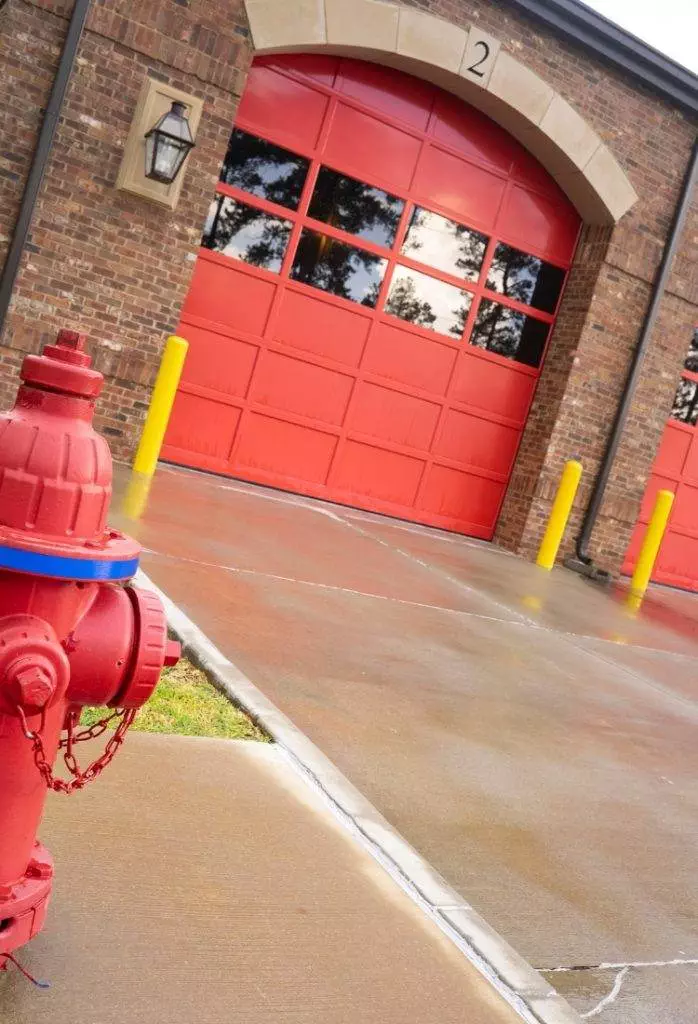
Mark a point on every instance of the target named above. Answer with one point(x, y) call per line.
point(160, 405)
point(652, 542)
point(560, 513)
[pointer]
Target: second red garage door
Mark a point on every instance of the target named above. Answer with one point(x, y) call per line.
point(379, 274)
point(676, 469)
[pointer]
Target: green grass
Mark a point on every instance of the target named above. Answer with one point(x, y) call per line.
point(186, 704)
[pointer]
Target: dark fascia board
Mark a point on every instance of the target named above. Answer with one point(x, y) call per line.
point(591, 30)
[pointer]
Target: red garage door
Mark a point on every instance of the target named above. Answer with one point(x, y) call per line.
point(676, 469)
point(371, 306)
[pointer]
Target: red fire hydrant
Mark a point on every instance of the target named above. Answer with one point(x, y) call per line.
point(71, 633)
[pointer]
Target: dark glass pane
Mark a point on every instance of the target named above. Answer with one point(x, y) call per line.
point(692, 356)
point(424, 301)
point(525, 278)
point(338, 268)
point(444, 244)
point(246, 233)
point(265, 170)
point(352, 206)
point(509, 333)
point(685, 406)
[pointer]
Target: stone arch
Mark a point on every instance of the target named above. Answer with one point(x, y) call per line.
point(428, 47)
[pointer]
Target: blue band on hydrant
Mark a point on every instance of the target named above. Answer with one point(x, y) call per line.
point(63, 568)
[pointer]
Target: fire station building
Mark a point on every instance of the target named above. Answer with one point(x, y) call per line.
point(423, 252)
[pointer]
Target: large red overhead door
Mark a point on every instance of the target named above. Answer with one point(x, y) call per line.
point(676, 469)
point(370, 310)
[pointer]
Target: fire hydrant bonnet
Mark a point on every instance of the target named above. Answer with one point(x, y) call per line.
point(56, 473)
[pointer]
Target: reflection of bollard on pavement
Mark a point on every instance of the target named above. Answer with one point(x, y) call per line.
point(136, 497)
point(72, 633)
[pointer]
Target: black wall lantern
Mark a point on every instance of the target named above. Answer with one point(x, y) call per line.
point(167, 144)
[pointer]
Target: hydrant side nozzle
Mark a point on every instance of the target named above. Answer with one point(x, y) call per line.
point(152, 651)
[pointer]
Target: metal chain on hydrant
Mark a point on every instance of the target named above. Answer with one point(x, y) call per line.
point(80, 778)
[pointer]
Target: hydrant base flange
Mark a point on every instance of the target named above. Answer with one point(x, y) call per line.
point(23, 905)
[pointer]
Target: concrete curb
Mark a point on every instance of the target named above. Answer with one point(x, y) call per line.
point(517, 982)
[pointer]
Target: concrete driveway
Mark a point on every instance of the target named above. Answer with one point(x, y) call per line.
point(530, 735)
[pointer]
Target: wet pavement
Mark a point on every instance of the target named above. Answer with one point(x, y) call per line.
point(528, 733)
point(202, 881)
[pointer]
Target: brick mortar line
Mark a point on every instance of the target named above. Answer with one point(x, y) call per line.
point(516, 981)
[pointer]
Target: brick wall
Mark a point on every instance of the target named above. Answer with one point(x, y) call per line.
point(117, 267)
point(99, 259)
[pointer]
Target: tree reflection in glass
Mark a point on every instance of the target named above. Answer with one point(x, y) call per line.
point(341, 269)
point(691, 362)
point(426, 302)
point(264, 169)
point(509, 333)
point(524, 278)
point(444, 244)
point(355, 207)
point(685, 408)
point(246, 233)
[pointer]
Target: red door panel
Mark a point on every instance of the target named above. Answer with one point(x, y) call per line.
point(410, 359)
point(484, 141)
point(371, 148)
point(328, 355)
point(393, 416)
point(453, 496)
point(218, 361)
point(203, 428)
point(386, 476)
point(529, 214)
point(293, 385)
point(399, 97)
point(230, 297)
point(467, 190)
point(277, 446)
point(338, 334)
point(285, 109)
point(493, 388)
point(477, 442)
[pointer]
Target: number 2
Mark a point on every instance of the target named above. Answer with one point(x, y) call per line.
point(476, 65)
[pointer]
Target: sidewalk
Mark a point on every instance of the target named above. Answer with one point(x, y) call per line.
point(526, 733)
point(202, 881)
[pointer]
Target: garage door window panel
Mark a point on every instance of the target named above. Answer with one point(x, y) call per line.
point(685, 407)
point(510, 333)
point(332, 266)
point(427, 302)
point(691, 361)
point(524, 278)
point(264, 169)
point(246, 233)
point(445, 244)
point(356, 207)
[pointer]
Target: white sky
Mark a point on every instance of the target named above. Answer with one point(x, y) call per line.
point(670, 26)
